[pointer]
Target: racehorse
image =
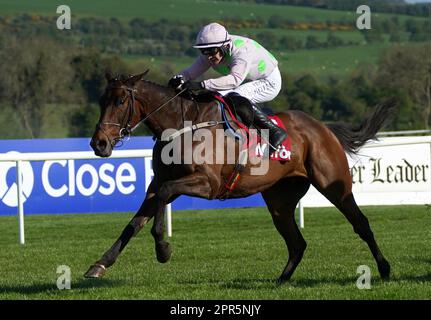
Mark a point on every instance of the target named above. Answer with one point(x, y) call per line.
point(318, 158)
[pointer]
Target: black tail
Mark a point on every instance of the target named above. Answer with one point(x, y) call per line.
point(352, 138)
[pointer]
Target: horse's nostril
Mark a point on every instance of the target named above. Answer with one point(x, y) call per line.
point(101, 145)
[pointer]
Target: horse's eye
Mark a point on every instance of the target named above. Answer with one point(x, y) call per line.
point(120, 101)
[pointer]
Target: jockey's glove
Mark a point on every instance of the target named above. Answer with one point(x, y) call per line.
point(176, 82)
point(192, 86)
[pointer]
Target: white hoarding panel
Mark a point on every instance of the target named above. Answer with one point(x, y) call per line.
point(390, 171)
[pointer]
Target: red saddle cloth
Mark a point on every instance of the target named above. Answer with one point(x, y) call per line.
point(258, 147)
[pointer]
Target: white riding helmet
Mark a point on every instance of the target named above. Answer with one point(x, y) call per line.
point(212, 35)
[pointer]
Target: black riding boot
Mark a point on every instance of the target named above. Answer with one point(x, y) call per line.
point(261, 121)
point(252, 115)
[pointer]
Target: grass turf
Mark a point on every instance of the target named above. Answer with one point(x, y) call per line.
point(319, 62)
point(218, 254)
point(185, 10)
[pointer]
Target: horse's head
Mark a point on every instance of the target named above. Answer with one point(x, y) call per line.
point(117, 113)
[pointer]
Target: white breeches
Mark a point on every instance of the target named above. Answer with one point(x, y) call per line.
point(259, 91)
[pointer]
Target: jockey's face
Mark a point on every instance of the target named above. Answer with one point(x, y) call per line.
point(214, 55)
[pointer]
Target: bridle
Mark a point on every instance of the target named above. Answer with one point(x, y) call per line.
point(126, 128)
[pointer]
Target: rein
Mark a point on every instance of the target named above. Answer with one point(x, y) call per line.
point(161, 106)
point(126, 130)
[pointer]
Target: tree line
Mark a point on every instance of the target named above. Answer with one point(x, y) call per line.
point(48, 89)
point(160, 38)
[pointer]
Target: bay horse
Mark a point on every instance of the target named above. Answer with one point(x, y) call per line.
point(317, 157)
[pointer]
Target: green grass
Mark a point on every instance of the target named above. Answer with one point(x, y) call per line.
point(218, 254)
point(180, 10)
point(321, 35)
point(319, 62)
point(158, 62)
point(173, 10)
point(333, 61)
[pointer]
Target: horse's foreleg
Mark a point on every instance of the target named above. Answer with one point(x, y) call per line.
point(147, 210)
point(196, 184)
point(163, 248)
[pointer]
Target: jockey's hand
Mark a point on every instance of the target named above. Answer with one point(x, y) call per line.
point(176, 82)
point(192, 86)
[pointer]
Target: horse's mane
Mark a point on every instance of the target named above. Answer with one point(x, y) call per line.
point(155, 84)
point(124, 79)
point(202, 97)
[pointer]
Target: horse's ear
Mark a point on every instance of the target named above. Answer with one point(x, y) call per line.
point(139, 77)
point(108, 75)
point(144, 74)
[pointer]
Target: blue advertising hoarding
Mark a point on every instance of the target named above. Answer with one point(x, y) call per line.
point(87, 186)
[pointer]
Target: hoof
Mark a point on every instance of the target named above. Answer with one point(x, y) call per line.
point(95, 271)
point(285, 277)
point(384, 270)
point(163, 252)
point(282, 280)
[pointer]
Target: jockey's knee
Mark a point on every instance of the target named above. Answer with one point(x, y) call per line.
point(242, 106)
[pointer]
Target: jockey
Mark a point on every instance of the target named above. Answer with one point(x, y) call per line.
point(247, 69)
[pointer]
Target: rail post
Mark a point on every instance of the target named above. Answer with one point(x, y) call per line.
point(20, 201)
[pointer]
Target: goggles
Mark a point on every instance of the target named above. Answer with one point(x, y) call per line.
point(210, 51)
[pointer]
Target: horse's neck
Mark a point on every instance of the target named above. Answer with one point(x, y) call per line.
point(176, 112)
point(153, 96)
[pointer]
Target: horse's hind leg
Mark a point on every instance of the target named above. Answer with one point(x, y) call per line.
point(362, 227)
point(281, 200)
point(331, 177)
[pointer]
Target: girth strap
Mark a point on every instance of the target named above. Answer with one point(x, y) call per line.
point(192, 128)
point(234, 176)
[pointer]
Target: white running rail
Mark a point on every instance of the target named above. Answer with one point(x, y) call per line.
point(19, 158)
